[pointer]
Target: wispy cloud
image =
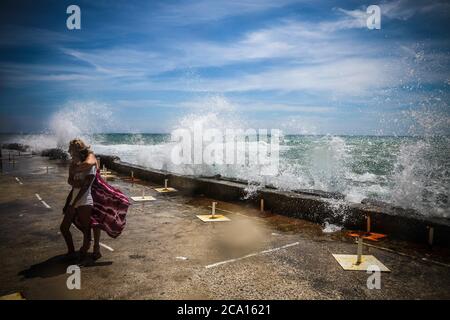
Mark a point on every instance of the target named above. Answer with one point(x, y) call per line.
point(351, 76)
point(190, 11)
point(219, 103)
point(397, 9)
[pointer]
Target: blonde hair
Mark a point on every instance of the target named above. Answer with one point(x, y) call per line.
point(79, 146)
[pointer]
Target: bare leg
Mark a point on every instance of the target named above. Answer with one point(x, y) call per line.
point(97, 254)
point(65, 230)
point(84, 216)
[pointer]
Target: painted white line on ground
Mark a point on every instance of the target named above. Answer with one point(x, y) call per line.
point(106, 247)
point(18, 180)
point(251, 255)
point(45, 204)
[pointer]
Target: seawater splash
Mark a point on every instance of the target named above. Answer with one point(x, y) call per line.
point(74, 120)
point(331, 228)
point(421, 175)
point(211, 113)
point(314, 162)
point(80, 120)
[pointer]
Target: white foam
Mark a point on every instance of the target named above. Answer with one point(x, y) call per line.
point(330, 228)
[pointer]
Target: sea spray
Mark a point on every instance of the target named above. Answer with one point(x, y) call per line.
point(421, 174)
point(420, 178)
point(83, 120)
point(80, 120)
point(213, 113)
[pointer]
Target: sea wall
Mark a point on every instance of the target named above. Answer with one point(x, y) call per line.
point(15, 146)
point(315, 206)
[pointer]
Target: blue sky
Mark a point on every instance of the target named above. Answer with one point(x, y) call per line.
point(300, 66)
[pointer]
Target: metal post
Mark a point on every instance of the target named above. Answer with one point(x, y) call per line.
point(359, 251)
point(430, 236)
point(262, 205)
point(368, 223)
point(213, 210)
point(165, 183)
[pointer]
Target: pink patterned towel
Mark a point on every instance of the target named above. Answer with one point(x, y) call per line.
point(110, 207)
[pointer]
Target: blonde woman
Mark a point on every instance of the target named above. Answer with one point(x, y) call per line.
point(92, 203)
point(79, 202)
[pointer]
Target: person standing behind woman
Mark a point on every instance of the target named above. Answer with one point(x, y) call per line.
point(79, 202)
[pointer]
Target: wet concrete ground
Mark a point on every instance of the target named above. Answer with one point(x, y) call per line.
point(165, 250)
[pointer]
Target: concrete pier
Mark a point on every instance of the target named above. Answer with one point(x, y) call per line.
point(165, 252)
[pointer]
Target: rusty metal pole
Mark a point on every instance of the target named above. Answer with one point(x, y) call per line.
point(359, 250)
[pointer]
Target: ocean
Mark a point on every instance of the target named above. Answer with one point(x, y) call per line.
point(410, 172)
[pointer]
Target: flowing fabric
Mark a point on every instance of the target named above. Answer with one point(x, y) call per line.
point(110, 208)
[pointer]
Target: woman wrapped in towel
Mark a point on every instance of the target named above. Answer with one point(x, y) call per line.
point(92, 203)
